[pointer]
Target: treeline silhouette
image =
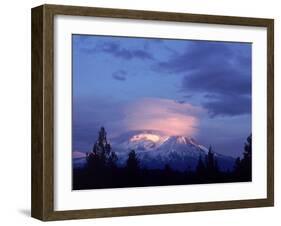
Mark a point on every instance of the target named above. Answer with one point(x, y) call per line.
point(102, 171)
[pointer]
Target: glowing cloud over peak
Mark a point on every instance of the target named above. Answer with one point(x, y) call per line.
point(164, 115)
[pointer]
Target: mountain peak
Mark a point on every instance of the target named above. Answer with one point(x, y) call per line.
point(143, 141)
point(155, 149)
point(148, 140)
point(145, 136)
point(182, 140)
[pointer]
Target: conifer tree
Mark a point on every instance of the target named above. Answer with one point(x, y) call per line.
point(200, 169)
point(99, 157)
point(212, 167)
point(133, 168)
point(132, 162)
point(243, 166)
point(237, 166)
point(112, 160)
point(246, 162)
point(210, 161)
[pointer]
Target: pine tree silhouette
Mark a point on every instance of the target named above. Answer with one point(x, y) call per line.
point(243, 167)
point(237, 167)
point(200, 168)
point(210, 161)
point(246, 162)
point(132, 168)
point(101, 155)
point(112, 160)
point(132, 162)
point(212, 168)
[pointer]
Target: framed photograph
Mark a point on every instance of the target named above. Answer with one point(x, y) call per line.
point(141, 112)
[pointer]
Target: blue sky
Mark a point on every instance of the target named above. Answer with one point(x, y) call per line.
point(197, 88)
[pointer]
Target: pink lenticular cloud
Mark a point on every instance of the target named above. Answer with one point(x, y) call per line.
point(164, 115)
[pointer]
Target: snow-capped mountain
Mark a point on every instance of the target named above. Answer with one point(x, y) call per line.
point(155, 150)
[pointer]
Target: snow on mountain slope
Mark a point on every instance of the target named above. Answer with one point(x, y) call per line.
point(144, 141)
point(155, 150)
point(78, 154)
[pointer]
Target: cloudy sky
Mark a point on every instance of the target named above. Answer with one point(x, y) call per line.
point(200, 89)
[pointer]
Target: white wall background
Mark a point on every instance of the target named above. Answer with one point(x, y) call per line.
point(15, 112)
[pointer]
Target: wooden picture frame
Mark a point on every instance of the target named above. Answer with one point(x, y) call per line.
point(43, 112)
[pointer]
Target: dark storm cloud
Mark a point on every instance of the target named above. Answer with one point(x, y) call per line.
point(120, 75)
point(116, 50)
point(223, 81)
point(228, 105)
point(215, 69)
point(198, 54)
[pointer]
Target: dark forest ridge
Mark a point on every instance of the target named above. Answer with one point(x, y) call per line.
point(148, 159)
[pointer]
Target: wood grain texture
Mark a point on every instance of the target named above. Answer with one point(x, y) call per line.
point(37, 158)
point(42, 203)
point(270, 111)
point(43, 108)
